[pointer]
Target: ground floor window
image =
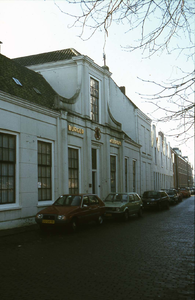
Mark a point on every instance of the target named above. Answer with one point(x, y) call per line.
point(44, 171)
point(134, 175)
point(94, 170)
point(126, 174)
point(73, 169)
point(7, 168)
point(113, 173)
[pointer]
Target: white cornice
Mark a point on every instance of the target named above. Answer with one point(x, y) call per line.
point(143, 116)
point(27, 104)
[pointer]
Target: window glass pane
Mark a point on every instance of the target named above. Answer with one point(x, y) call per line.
point(10, 196)
point(4, 169)
point(4, 197)
point(11, 155)
point(5, 141)
point(43, 159)
point(39, 194)
point(4, 183)
point(12, 142)
point(43, 148)
point(5, 154)
point(1, 154)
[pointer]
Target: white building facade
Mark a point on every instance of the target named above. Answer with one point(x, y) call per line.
point(93, 139)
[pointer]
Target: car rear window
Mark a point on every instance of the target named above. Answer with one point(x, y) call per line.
point(170, 192)
point(151, 194)
point(116, 198)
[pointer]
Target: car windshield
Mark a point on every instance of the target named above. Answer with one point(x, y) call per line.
point(116, 198)
point(151, 194)
point(68, 200)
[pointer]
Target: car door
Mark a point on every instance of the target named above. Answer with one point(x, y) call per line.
point(137, 203)
point(85, 213)
point(164, 198)
point(132, 204)
point(94, 207)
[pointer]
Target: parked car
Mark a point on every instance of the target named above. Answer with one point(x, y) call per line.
point(123, 205)
point(72, 210)
point(185, 191)
point(155, 199)
point(192, 190)
point(174, 196)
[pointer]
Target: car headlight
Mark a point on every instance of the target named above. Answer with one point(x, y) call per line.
point(118, 209)
point(61, 217)
point(39, 216)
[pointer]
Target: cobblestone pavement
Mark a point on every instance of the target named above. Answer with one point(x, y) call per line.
point(147, 258)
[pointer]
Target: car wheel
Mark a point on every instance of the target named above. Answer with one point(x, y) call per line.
point(140, 213)
point(126, 215)
point(159, 206)
point(74, 225)
point(100, 220)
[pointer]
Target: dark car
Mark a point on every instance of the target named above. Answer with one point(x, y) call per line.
point(174, 196)
point(123, 205)
point(155, 199)
point(72, 210)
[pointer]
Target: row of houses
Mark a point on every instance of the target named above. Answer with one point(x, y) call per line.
point(66, 127)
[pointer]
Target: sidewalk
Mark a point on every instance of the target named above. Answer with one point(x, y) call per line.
point(17, 230)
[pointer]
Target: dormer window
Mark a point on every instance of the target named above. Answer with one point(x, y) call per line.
point(37, 91)
point(94, 99)
point(16, 81)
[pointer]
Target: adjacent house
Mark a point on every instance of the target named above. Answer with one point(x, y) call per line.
point(162, 161)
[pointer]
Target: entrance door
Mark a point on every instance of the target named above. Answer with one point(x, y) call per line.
point(94, 171)
point(94, 184)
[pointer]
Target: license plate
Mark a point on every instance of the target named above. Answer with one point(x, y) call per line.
point(108, 215)
point(48, 221)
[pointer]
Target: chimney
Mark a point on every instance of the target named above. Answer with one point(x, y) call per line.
point(122, 88)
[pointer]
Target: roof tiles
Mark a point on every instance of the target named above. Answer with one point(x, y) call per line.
point(47, 57)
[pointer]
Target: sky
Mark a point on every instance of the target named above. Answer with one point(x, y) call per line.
point(38, 26)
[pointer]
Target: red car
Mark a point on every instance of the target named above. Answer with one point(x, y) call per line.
point(185, 192)
point(72, 210)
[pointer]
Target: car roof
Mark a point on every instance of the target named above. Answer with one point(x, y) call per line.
point(79, 195)
point(121, 193)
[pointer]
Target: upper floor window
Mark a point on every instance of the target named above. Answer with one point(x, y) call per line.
point(7, 168)
point(94, 99)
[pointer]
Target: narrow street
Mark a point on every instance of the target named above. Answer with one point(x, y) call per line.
point(147, 258)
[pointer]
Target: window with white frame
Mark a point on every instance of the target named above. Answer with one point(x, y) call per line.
point(134, 175)
point(126, 175)
point(73, 170)
point(94, 99)
point(113, 173)
point(7, 168)
point(44, 171)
